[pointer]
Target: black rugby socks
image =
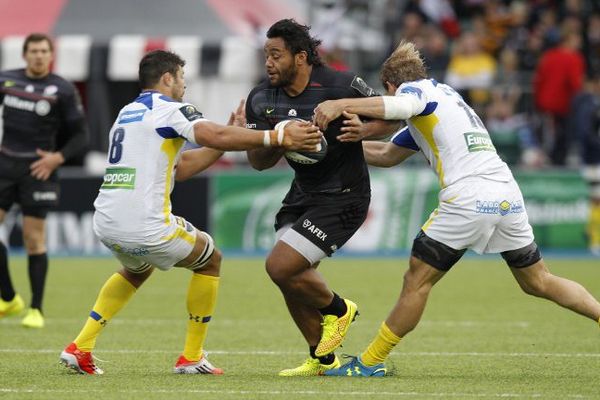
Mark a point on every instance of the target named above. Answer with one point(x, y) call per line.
point(325, 360)
point(7, 291)
point(337, 307)
point(38, 267)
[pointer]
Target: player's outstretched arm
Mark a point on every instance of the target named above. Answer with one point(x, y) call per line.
point(293, 136)
point(195, 161)
point(385, 155)
point(402, 106)
point(261, 159)
point(355, 130)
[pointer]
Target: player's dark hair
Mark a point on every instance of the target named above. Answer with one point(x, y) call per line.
point(155, 64)
point(37, 37)
point(297, 39)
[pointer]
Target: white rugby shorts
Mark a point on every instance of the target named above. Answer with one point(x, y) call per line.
point(480, 214)
point(176, 244)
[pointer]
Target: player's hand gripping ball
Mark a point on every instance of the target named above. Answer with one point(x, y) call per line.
point(305, 157)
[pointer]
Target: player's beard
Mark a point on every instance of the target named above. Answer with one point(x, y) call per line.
point(287, 77)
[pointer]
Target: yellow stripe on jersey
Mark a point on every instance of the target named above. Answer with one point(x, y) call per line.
point(425, 125)
point(430, 220)
point(170, 147)
point(181, 233)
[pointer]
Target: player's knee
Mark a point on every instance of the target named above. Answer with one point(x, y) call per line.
point(214, 263)
point(277, 271)
point(535, 286)
point(415, 281)
point(413, 284)
point(34, 242)
point(274, 271)
point(537, 283)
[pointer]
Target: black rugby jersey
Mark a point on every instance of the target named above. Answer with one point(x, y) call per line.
point(343, 169)
point(35, 111)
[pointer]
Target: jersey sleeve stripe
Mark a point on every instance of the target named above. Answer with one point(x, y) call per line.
point(167, 132)
point(429, 108)
point(404, 139)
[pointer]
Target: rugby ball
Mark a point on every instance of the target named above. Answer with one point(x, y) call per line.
point(307, 157)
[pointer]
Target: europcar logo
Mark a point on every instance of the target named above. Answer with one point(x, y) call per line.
point(479, 141)
point(119, 178)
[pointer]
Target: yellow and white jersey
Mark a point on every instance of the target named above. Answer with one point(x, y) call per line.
point(145, 144)
point(451, 136)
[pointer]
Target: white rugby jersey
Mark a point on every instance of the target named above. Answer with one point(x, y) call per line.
point(451, 135)
point(145, 144)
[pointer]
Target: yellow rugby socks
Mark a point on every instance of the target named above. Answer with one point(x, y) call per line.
point(201, 301)
point(380, 347)
point(115, 293)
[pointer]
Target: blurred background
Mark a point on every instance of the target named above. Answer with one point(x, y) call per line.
point(531, 69)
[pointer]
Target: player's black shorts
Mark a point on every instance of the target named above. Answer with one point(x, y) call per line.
point(36, 197)
point(326, 220)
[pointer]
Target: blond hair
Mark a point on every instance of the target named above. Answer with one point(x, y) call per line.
point(404, 65)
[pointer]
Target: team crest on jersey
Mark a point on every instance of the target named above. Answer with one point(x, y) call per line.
point(359, 84)
point(292, 113)
point(50, 90)
point(190, 112)
point(42, 108)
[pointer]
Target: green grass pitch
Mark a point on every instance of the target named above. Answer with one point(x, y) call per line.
point(480, 337)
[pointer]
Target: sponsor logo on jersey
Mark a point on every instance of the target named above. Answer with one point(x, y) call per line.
point(503, 207)
point(40, 107)
point(413, 90)
point(18, 103)
point(136, 251)
point(9, 83)
point(119, 178)
point(479, 141)
point(190, 112)
point(50, 90)
point(314, 230)
point(131, 116)
point(269, 110)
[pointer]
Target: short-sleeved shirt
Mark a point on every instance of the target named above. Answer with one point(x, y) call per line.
point(343, 169)
point(145, 144)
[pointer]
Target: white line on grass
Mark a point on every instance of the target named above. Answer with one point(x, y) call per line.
point(262, 322)
point(283, 353)
point(301, 392)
